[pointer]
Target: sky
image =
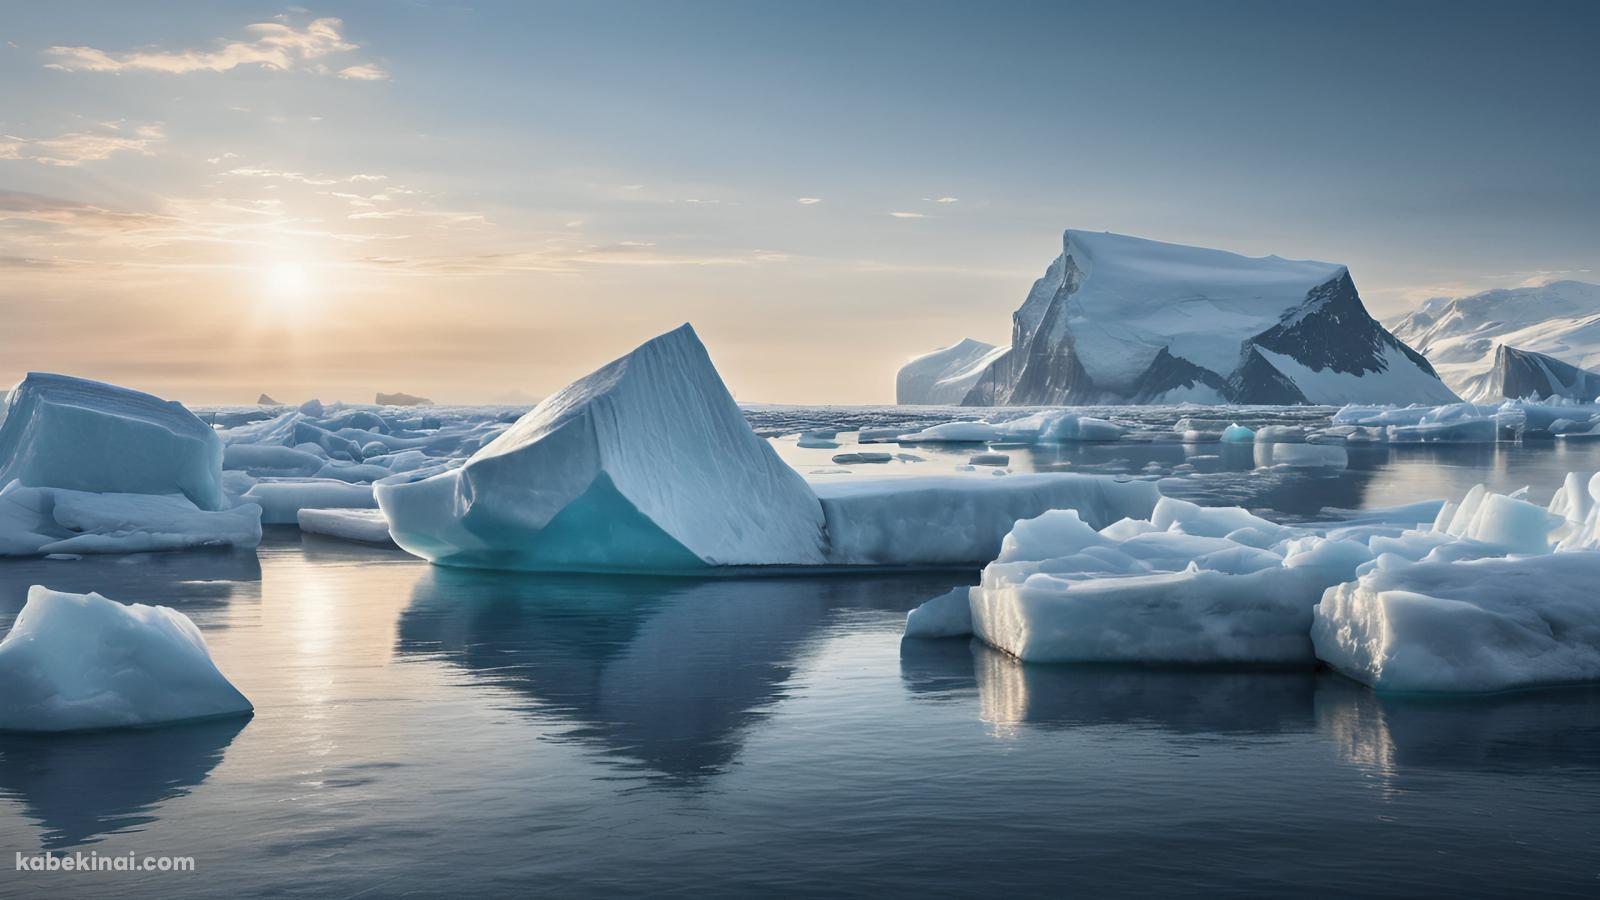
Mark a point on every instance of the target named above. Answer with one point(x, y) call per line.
point(482, 201)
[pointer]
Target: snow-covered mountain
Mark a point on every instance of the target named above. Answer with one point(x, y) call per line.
point(1517, 374)
point(1120, 319)
point(944, 376)
point(1459, 336)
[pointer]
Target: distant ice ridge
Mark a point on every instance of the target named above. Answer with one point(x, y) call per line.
point(1510, 420)
point(88, 467)
point(1496, 593)
point(1120, 319)
point(945, 376)
point(1461, 337)
point(80, 661)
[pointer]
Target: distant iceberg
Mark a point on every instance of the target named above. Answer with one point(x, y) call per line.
point(80, 661)
point(945, 376)
point(1119, 319)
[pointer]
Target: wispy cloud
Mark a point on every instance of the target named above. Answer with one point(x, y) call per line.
point(301, 178)
point(942, 199)
point(908, 215)
point(80, 147)
point(807, 201)
point(273, 45)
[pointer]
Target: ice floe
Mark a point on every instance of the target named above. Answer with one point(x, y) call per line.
point(80, 661)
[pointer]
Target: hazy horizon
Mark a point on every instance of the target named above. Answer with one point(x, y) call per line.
point(218, 200)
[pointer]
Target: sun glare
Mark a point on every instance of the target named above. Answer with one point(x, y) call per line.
point(288, 282)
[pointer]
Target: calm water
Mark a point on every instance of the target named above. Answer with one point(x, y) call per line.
point(431, 732)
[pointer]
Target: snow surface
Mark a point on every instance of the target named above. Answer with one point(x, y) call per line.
point(81, 661)
point(1459, 336)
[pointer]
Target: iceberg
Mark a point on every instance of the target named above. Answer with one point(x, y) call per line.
point(945, 376)
point(1120, 319)
point(645, 464)
point(80, 661)
point(65, 432)
point(401, 399)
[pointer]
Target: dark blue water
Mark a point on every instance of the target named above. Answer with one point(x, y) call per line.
point(430, 732)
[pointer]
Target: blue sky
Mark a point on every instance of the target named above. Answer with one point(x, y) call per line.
point(484, 200)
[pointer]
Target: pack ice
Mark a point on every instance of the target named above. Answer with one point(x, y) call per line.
point(81, 661)
point(88, 467)
point(1495, 593)
point(1120, 319)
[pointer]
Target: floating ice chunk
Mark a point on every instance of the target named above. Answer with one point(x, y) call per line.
point(959, 519)
point(312, 408)
point(264, 400)
point(816, 443)
point(366, 526)
point(1280, 434)
point(1170, 590)
point(271, 459)
point(281, 501)
point(879, 435)
point(1474, 625)
point(1464, 431)
point(1237, 434)
point(41, 521)
point(947, 615)
point(864, 456)
point(1058, 427)
point(644, 464)
point(81, 661)
point(83, 435)
point(956, 433)
point(1301, 456)
point(989, 459)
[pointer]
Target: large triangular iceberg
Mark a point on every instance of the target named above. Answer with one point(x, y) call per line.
point(646, 464)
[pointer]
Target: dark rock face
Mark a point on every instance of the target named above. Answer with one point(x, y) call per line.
point(264, 400)
point(1173, 373)
point(1524, 373)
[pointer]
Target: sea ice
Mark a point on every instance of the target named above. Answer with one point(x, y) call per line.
point(81, 661)
point(1469, 625)
point(367, 526)
point(282, 501)
point(960, 519)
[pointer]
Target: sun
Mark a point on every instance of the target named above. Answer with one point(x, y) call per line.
point(288, 282)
